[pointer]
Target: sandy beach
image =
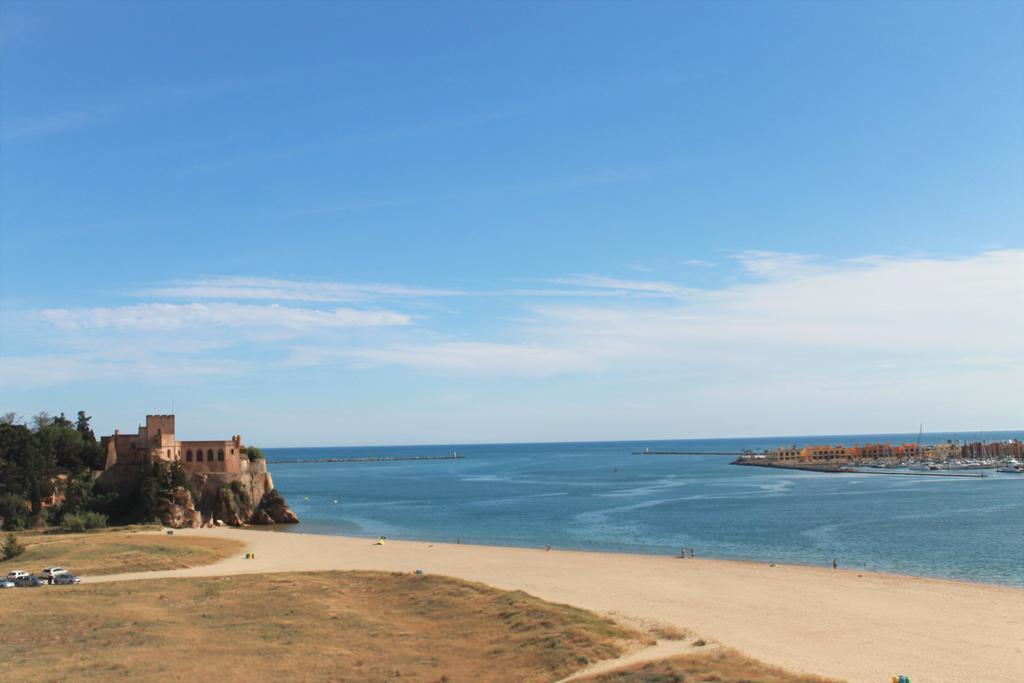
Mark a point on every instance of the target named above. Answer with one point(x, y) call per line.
point(856, 626)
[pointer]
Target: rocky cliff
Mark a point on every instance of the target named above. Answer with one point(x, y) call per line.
point(177, 510)
point(234, 499)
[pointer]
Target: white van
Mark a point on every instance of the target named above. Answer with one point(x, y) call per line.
point(17, 574)
point(53, 572)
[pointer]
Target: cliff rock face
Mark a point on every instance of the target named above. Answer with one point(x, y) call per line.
point(177, 510)
point(274, 510)
point(232, 505)
point(237, 498)
point(237, 504)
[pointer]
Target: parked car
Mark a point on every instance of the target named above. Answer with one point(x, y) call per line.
point(66, 579)
point(29, 582)
point(53, 572)
point(4, 583)
point(16, 574)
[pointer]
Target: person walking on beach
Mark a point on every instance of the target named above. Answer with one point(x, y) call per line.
point(691, 553)
point(682, 552)
point(835, 565)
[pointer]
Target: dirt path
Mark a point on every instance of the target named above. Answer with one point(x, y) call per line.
point(663, 649)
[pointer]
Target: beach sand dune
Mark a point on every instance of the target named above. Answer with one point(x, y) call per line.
point(857, 626)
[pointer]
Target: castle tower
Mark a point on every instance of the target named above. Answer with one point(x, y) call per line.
point(160, 435)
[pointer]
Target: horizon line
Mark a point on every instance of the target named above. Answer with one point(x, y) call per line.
point(1019, 431)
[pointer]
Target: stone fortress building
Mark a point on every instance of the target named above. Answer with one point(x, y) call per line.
point(213, 467)
point(156, 440)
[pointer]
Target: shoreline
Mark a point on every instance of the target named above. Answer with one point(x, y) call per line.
point(296, 529)
point(841, 623)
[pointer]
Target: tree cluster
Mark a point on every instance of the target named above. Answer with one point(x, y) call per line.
point(158, 480)
point(53, 456)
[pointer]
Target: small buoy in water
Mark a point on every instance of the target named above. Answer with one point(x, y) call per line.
point(335, 501)
point(305, 498)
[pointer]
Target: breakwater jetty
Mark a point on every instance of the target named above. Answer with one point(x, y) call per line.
point(374, 458)
point(978, 475)
point(649, 452)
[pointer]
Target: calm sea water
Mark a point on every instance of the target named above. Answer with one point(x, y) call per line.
point(599, 496)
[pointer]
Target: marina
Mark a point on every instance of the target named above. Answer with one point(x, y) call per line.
point(939, 459)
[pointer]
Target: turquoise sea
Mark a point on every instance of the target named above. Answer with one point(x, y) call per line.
point(599, 496)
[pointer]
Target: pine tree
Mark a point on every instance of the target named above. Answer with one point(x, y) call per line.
point(12, 548)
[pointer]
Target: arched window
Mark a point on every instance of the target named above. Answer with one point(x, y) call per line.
point(199, 455)
point(220, 455)
point(209, 455)
point(188, 455)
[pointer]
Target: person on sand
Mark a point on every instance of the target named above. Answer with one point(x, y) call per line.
point(691, 553)
point(682, 552)
point(547, 547)
point(835, 565)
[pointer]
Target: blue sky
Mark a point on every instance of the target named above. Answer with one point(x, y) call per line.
point(329, 223)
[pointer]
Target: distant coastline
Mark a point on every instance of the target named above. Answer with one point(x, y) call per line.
point(752, 442)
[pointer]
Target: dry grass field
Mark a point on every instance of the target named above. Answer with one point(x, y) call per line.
point(112, 551)
point(356, 626)
point(719, 666)
point(339, 626)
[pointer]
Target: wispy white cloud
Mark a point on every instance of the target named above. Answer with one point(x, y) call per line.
point(479, 358)
point(50, 124)
point(772, 264)
point(276, 289)
point(44, 370)
point(642, 287)
point(857, 311)
point(27, 127)
point(271, 289)
point(828, 331)
point(157, 317)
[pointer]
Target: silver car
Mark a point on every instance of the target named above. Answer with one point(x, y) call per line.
point(29, 582)
point(4, 583)
point(66, 579)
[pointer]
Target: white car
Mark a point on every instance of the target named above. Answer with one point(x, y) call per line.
point(17, 574)
point(4, 583)
point(53, 572)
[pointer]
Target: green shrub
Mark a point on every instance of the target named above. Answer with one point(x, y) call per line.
point(85, 520)
point(12, 548)
point(238, 488)
point(255, 453)
point(14, 511)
